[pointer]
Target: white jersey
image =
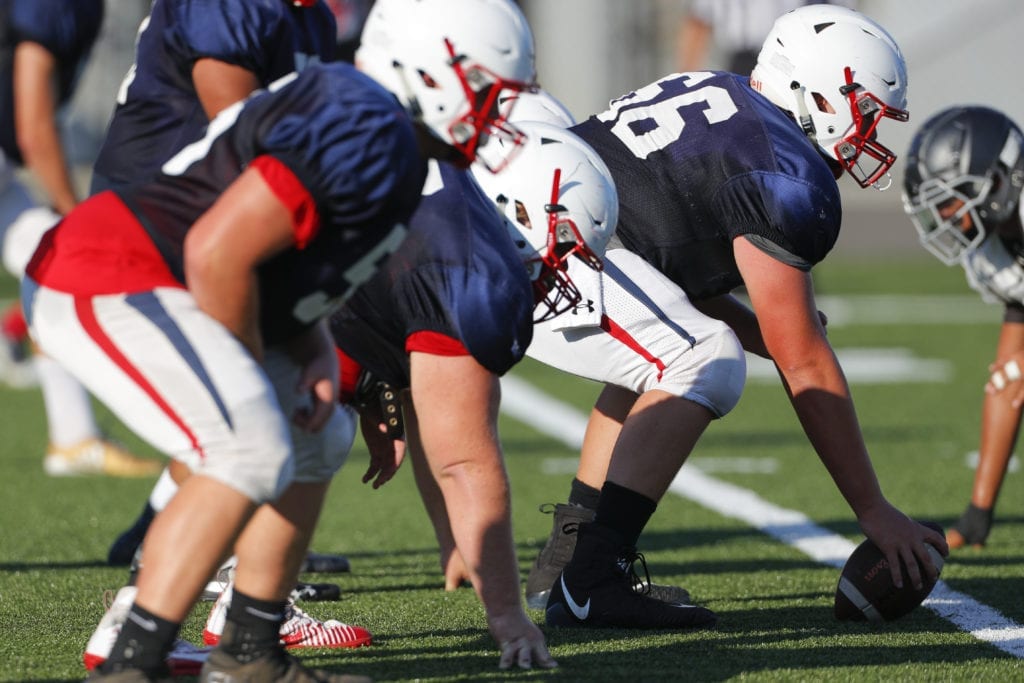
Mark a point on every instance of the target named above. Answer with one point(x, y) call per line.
point(994, 272)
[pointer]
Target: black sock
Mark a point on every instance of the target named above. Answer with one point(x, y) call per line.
point(252, 627)
point(143, 643)
point(625, 511)
point(584, 495)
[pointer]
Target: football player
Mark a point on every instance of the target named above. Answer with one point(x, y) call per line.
point(193, 59)
point(45, 45)
point(287, 204)
point(962, 190)
point(724, 180)
point(448, 314)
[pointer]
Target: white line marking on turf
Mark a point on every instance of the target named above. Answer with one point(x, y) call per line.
point(538, 410)
point(869, 366)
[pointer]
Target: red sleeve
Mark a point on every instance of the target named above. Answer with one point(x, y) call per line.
point(293, 194)
point(435, 343)
point(349, 371)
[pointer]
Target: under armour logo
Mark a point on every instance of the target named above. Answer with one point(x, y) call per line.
point(588, 305)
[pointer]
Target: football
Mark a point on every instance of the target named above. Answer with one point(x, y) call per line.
point(866, 591)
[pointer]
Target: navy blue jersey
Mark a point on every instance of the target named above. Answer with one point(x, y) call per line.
point(701, 158)
point(350, 144)
point(457, 274)
point(66, 28)
point(158, 110)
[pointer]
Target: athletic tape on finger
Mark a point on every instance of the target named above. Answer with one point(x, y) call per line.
point(1012, 370)
point(997, 380)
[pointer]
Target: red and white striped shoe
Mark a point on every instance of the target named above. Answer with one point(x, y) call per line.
point(184, 659)
point(297, 631)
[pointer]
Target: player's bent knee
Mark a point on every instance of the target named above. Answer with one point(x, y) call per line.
point(715, 377)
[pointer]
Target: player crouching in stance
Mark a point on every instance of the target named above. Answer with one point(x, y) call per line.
point(207, 335)
point(962, 190)
point(724, 180)
point(448, 314)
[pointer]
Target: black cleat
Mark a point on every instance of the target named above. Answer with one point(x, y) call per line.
point(558, 551)
point(322, 563)
point(596, 591)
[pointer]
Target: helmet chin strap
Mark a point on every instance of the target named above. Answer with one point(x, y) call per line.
point(803, 116)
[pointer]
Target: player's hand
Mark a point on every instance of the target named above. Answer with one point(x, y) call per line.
point(386, 454)
point(313, 350)
point(454, 567)
point(903, 540)
point(521, 642)
point(1006, 376)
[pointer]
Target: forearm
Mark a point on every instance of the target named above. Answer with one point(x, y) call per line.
point(484, 539)
point(737, 316)
point(821, 398)
point(35, 123)
point(44, 157)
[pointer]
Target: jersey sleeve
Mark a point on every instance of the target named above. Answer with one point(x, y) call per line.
point(490, 314)
point(800, 218)
point(355, 155)
point(64, 27)
point(244, 33)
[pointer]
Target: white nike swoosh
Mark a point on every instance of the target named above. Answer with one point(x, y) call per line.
point(580, 612)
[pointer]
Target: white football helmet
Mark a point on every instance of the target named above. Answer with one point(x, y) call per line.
point(537, 105)
point(839, 74)
point(559, 200)
point(448, 61)
point(964, 177)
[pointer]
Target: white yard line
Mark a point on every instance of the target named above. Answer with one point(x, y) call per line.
point(566, 424)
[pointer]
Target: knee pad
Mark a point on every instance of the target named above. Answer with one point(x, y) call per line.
point(712, 372)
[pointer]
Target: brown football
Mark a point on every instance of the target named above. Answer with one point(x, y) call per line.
point(866, 591)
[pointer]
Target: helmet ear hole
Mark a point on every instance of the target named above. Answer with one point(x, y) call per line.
point(822, 103)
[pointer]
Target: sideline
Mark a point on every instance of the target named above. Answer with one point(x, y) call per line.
point(564, 423)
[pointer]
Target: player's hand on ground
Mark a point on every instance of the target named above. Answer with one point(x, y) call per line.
point(454, 567)
point(902, 539)
point(521, 642)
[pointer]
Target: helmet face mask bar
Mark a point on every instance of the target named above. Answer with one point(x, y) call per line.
point(867, 111)
point(554, 291)
point(485, 117)
point(946, 216)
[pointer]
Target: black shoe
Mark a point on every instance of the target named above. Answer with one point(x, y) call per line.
point(556, 552)
point(316, 592)
point(122, 550)
point(594, 590)
point(320, 563)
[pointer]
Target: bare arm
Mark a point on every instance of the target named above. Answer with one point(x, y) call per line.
point(219, 84)
point(223, 250)
point(1000, 417)
point(35, 120)
point(783, 298)
point(454, 421)
point(693, 44)
point(737, 316)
